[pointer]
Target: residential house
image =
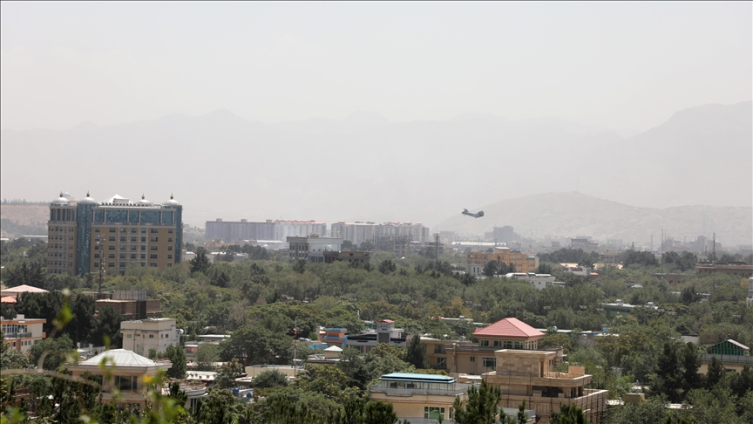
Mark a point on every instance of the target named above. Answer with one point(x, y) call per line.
point(21, 333)
point(153, 333)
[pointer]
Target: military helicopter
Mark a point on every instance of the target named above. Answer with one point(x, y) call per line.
point(478, 214)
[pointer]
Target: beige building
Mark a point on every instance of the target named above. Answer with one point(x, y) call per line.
point(128, 370)
point(153, 333)
point(477, 356)
point(522, 261)
point(88, 237)
point(528, 375)
point(419, 395)
point(21, 333)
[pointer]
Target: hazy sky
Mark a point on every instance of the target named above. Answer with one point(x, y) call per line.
point(622, 65)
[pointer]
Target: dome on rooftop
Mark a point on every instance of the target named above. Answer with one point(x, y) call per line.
point(88, 200)
point(143, 201)
point(172, 202)
point(60, 200)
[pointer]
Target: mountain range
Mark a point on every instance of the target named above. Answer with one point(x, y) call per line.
point(370, 169)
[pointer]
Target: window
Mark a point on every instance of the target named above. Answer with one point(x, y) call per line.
point(128, 336)
point(169, 256)
point(122, 264)
point(442, 363)
point(111, 247)
point(143, 256)
point(96, 229)
point(169, 239)
point(143, 231)
point(489, 362)
point(133, 239)
point(169, 248)
point(133, 256)
point(497, 343)
point(112, 238)
point(484, 342)
point(153, 256)
point(153, 247)
point(122, 256)
point(122, 247)
point(112, 229)
point(508, 344)
point(133, 230)
point(143, 239)
point(122, 238)
point(153, 239)
point(169, 265)
point(433, 412)
point(111, 264)
point(96, 256)
point(518, 345)
point(473, 359)
point(153, 264)
point(143, 247)
point(154, 230)
point(133, 247)
point(96, 264)
point(169, 231)
point(111, 256)
point(151, 336)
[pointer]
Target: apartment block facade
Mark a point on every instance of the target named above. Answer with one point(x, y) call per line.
point(239, 231)
point(359, 232)
point(88, 237)
point(154, 333)
point(21, 333)
point(523, 262)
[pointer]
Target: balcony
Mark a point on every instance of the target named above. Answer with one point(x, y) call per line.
point(23, 335)
point(727, 359)
point(458, 389)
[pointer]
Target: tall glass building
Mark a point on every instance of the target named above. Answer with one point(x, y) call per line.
point(87, 236)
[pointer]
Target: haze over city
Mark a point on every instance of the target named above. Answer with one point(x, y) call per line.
point(361, 111)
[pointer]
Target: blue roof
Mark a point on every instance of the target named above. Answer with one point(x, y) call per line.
point(424, 378)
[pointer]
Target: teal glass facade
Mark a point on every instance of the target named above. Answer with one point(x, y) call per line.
point(83, 243)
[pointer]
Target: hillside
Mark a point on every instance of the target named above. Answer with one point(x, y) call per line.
point(18, 220)
point(369, 169)
point(573, 214)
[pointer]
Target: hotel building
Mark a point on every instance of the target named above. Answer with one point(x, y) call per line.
point(86, 236)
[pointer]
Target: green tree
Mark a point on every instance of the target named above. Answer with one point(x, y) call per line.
point(650, 412)
point(387, 266)
point(716, 374)
point(416, 353)
point(569, 414)
point(481, 407)
point(299, 266)
point(206, 355)
point(107, 327)
point(490, 269)
point(379, 413)
point(177, 356)
point(200, 263)
point(54, 350)
point(271, 378)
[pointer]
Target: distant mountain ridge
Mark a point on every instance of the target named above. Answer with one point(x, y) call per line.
point(575, 214)
point(369, 169)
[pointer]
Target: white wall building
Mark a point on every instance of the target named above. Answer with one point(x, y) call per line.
point(540, 281)
point(153, 333)
point(312, 249)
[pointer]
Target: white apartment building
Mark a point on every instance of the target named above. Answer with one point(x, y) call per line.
point(21, 333)
point(152, 333)
point(540, 281)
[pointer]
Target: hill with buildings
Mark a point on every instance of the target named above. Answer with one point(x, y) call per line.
point(369, 169)
point(576, 214)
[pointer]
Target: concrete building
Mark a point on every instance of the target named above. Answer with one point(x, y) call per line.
point(476, 356)
point(359, 232)
point(153, 333)
point(358, 259)
point(127, 368)
point(21, 333)
point(504, 234)
point(523, 262)
point(732, 354)
point(528, 375)
point(420, 395)
point(385, 332)
point(540, 281)
point(238, 231)
point(132, 304)
point(745, 271)
point(312, 249)
point(88, 237)
point(584, 243)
